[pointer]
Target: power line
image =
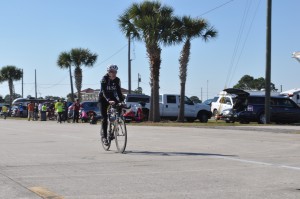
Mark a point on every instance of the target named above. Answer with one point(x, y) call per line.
point(243, 46)
point(237, 44)
point(216, 8)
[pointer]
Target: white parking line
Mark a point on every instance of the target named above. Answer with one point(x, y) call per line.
point(259, 163)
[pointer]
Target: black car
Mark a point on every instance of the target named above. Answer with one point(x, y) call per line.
point(250, 108)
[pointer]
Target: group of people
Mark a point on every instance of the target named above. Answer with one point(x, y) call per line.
point(57, 110)
point(34, 110)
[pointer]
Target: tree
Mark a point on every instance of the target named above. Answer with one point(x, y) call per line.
point(64, 61)
point(188, 29)
point(1, 99)
point(10, 74)
point(7, 97)
point(77, 57)
point(195, 99)
point(52, 97)
point(70, 97)
point(151, 23)
point(139, 90)
point(248, 82)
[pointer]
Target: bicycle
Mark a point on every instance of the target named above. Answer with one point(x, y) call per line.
point(116, 128)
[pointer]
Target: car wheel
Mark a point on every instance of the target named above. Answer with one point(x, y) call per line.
point(262, 118)
point(202, 116)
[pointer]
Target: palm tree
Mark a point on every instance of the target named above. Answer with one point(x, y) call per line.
point(188, 29)
point(10, 74)
point(151, 23)
point(64, 61)
point(77, 57)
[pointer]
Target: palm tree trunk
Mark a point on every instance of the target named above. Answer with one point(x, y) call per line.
point(150, 117)
point(181, 106)
point(153, 52)
point(71, 81)
point(11, 91)
point(183, 60)
point(78, 81)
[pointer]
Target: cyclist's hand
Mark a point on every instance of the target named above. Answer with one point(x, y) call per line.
point(112, 102)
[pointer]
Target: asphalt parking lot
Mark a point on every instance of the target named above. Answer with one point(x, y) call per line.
point(51, 160)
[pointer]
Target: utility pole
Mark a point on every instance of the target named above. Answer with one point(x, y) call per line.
point(22, 82)
point(35, 83)
point(129, 67)
point(268, 62)
point(139, 80)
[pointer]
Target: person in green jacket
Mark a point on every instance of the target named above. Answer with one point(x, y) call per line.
point(59, 109)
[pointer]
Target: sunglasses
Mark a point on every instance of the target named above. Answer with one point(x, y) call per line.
point(112, 71)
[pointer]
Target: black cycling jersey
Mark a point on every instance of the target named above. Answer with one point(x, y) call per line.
point(111, 89)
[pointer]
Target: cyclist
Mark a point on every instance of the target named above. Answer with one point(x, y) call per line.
point(110, 94)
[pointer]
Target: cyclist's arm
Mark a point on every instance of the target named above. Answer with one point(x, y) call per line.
point(119, 92)
point(104, 89)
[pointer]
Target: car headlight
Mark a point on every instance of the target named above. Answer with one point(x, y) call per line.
point(226, 112)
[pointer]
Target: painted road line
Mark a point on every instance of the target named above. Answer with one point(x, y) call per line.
point(45, 193)
point(260, 163)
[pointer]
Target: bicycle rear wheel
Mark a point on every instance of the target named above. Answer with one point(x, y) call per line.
point(105, 147)
point(120, 135)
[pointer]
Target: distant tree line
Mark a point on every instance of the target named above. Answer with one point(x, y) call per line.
point(248, 82)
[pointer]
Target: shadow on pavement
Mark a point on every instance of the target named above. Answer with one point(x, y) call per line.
point(157, 153)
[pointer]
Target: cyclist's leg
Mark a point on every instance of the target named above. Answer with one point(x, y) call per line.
point(104, 106)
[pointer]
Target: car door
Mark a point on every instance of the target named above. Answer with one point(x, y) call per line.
point(287, 110)
point(189, 107)
point(171, 106)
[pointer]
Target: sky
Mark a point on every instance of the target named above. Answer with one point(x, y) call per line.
point(34, 33)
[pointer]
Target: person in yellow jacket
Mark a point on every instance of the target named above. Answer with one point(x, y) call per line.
point(4, 111)
point(59, 109)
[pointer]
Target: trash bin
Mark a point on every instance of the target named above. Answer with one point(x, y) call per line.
point(43, 116)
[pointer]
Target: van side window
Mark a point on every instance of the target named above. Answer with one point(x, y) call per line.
point(171, 99)
point(256, 100)
point(285, 102)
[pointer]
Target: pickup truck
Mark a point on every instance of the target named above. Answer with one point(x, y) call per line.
point(169, 108)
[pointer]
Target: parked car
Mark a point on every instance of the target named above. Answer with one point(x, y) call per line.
point(209, 101)
point(136, 101)
point(251, 108)
point(86, 106)
point(224, 101)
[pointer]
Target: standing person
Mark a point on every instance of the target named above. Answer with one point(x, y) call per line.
point(21, 109)
point(40, 110)
point(36, 112)
point(59, 109)
point(43, 114)
point(110, 94)
point(76, 108)
point(4, 111)
point(66, 117)
point(30, 108)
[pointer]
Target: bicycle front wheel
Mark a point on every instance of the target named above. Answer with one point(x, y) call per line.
point(120, 135)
